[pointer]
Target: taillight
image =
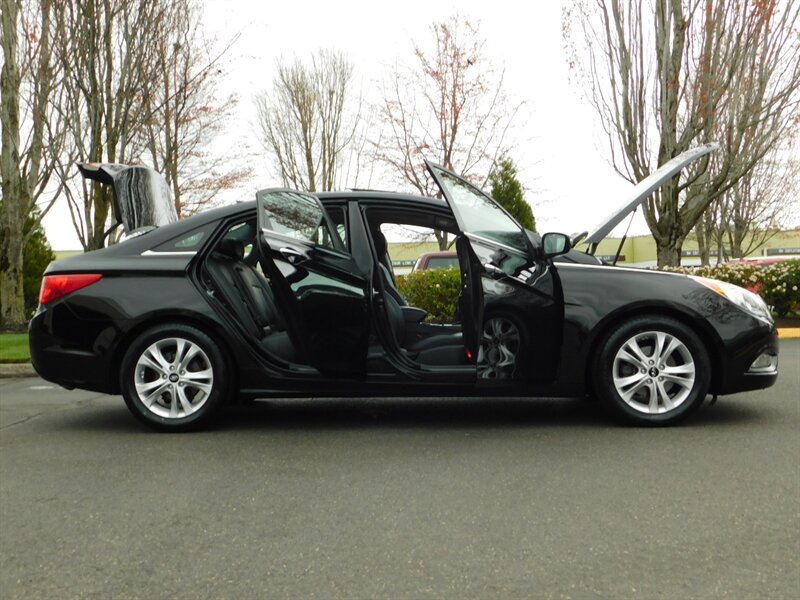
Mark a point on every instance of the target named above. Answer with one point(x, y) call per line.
point(55, 286)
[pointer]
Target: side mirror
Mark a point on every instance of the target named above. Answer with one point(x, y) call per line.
point(554, 244)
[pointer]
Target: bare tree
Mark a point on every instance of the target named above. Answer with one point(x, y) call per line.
point(141, 88)
point(183, 114)
point(31, 137)
point(107, 49)
point(746, 216)
point(666, 77)
point(307, 121)
point(448, 105)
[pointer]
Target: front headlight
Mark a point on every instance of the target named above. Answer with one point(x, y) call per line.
point(744, 299)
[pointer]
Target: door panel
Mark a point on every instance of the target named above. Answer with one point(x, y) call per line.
point(470, 299)
point(317, 284)
point(517, 284)
point(529, 293)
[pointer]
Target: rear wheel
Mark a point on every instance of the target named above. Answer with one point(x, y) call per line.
point(174, 377)
point(652, 371)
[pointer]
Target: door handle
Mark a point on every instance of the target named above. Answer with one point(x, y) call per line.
point(494, 270)
point(292, 255)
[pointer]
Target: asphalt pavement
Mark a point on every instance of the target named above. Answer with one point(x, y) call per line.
point(435, 498)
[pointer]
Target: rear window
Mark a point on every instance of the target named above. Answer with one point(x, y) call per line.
point(190, 241)
point(442, 262)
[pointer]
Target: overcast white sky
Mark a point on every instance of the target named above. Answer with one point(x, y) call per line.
point(557, 142)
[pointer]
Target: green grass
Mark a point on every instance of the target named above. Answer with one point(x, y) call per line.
point(14, 348)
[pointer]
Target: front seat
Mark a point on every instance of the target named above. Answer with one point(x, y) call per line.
point(389, 283)
point(446, 349)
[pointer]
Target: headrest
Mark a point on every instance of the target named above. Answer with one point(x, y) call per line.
point(380, 243)
point(231, 248)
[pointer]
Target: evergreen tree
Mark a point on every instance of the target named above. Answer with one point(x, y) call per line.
point(36, 255)
point(507, 191)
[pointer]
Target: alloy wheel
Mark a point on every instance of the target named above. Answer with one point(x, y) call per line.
point(173, 378)
point(499, 349)
point(654, 372)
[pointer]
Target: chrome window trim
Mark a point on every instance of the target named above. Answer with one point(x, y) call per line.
point(182, 253)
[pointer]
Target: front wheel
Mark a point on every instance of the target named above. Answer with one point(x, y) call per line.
point(174, 377)
point(652, 371)
point(500, 346)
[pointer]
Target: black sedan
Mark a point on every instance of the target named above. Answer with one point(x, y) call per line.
point(295, 295)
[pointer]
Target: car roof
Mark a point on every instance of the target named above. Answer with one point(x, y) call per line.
point(172, 230)
point(378, 196)
point(370, 195)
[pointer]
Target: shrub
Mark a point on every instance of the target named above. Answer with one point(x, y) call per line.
point(781, 286)
point(778, 284)
point(435, 291)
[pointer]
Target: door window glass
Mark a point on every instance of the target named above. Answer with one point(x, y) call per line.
point(337, 217)
point(299, 216)
point(481, 216)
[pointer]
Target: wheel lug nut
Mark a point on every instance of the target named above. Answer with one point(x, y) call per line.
point(173, 368)
point(651, 362)
point(184, 372)
point(164, 376)
point(644, 370)
point(661, 366)
point(661, 379)
point(180, 384)
point(649, 381)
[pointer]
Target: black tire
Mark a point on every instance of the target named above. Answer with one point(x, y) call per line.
point(170, 394)
point(654, 389)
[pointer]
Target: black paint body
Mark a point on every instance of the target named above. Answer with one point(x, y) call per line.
point(80, 339)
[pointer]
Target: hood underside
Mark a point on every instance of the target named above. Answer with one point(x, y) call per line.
point(642, 190)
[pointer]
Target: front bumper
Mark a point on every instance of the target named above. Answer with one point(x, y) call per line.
point(739, 370)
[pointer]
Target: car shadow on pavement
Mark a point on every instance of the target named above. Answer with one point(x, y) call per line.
point(413, 413)
point(405, 413)
point(449, 413)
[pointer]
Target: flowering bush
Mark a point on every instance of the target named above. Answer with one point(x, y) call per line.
point(778, 284)
point(781, 286)
point(435, 291)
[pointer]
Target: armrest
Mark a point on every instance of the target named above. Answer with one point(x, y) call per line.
point(412, 314)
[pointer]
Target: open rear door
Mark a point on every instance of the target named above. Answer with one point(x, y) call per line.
point(319, 287)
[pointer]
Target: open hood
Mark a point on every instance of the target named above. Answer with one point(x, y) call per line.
point(142, 197)
point(642, 190)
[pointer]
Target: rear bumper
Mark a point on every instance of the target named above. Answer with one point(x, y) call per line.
point(79, 357)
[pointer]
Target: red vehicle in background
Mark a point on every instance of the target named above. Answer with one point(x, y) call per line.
point(767, 260)
point(436, 260)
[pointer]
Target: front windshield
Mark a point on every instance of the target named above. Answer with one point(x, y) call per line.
point(480, 215)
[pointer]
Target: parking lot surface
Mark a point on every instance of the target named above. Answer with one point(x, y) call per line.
point(435, 498)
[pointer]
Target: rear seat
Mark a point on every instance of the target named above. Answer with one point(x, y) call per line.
point(250, 297)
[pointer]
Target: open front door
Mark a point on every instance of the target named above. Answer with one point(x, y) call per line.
point(321, 292)
point(512, 294)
